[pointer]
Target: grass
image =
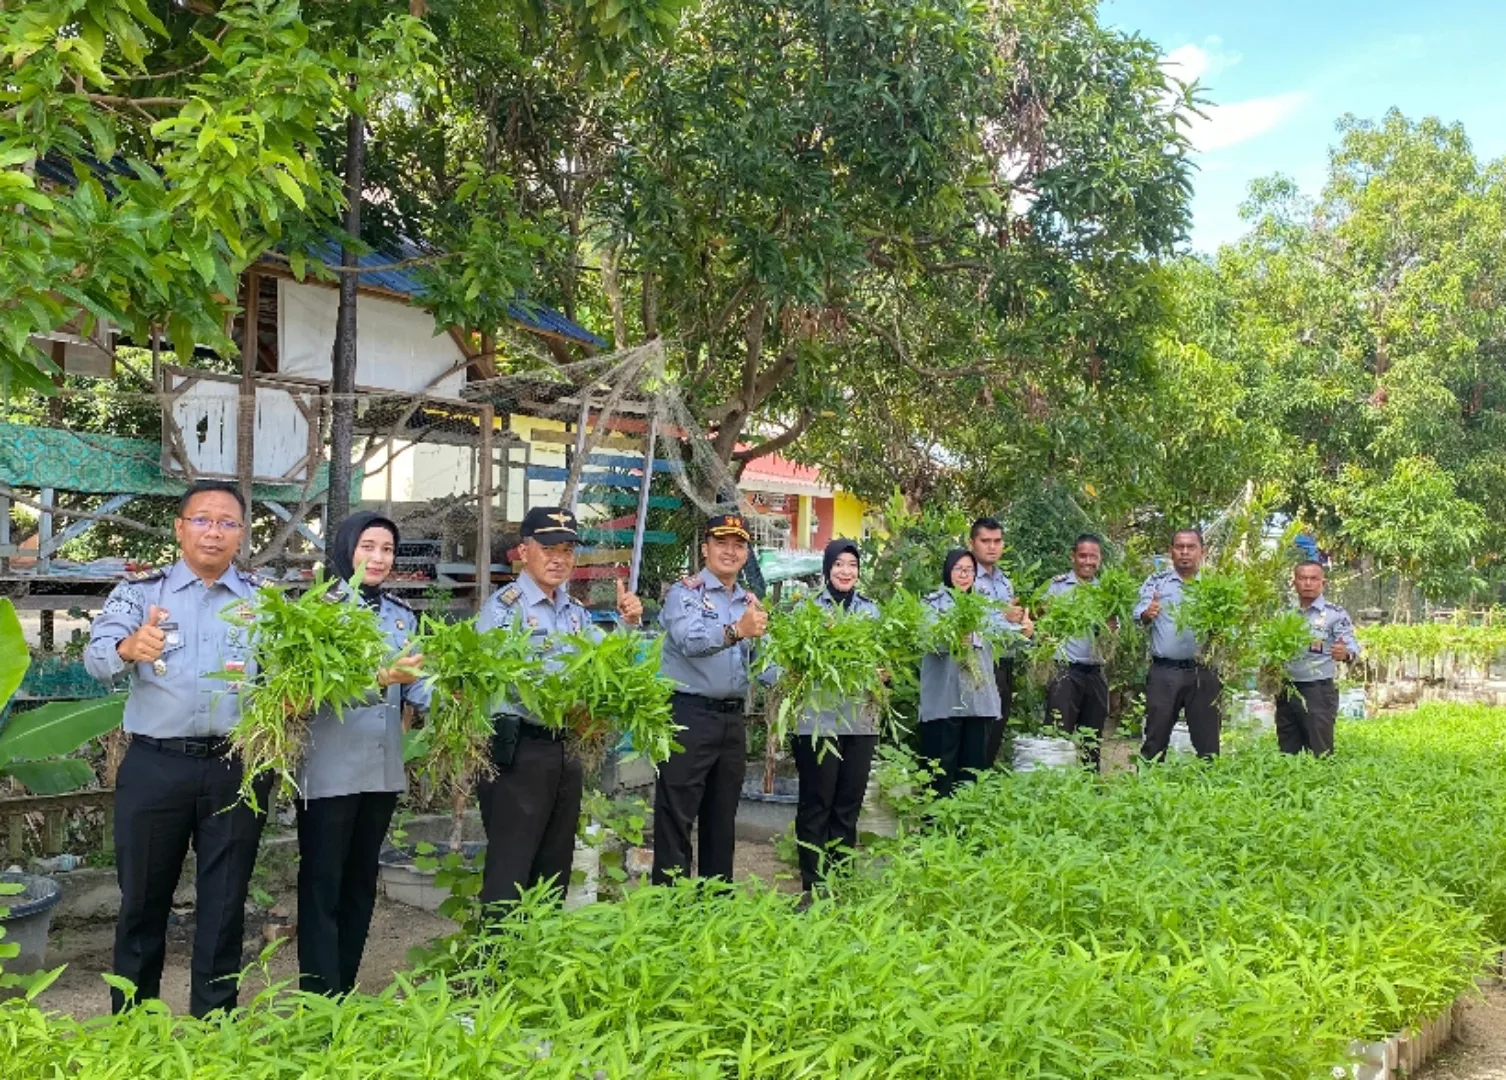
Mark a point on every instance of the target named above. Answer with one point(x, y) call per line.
point(1245, 917)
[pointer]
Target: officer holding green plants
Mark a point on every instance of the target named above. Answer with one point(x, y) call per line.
point(178, 783)
point(1178, 683)
point(986, 544)
point(531, 806)
point(710, 626)
point(1307, 708)
point(1077, 697)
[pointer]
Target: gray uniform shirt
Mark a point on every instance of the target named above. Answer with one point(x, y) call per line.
point(995, 585)
point(697, 611)
point(1165, 640)
point(842, 717)
point(1329, 623)
point(1078, 650)
point(363, 749)
point(945, 689)
point(547, 616)
point(187, 700)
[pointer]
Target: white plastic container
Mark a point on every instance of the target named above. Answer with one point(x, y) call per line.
point(1033, 752)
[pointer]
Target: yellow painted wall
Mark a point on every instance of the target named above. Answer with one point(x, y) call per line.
point(847, 515)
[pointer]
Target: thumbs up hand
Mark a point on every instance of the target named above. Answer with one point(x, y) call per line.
point(628, 605)
point(1153, 609)
point(145, 645)
point(754, 621)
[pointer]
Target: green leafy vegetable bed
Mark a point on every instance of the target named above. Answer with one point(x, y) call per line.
point(1245, 917)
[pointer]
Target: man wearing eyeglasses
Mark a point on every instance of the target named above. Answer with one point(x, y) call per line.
point(178, 783)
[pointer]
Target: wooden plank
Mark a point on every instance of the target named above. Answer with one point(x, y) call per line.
point(602, 556)
point(303, 530)
point(599, 573)
point(245, 417)
point(16, 842)
point(592, 477)
point(625, 536)
point(486, 462)
point(616, 461)
point(52, 831)
point(608, 497)
point(567, 438)
point(83, 525)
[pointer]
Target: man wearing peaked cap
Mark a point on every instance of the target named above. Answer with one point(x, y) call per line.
point(531, 806)
point(710, 625)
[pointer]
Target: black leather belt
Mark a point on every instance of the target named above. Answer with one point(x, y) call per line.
point(1313, 682)
point(210, 746)
point(715, 704)
point(1091, 669)
point(1162, 661)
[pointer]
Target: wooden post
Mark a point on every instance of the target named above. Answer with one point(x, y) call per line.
point(4, 533)
point(484, 507)
point(578, 466)
point(245, 422)
point(641, 523)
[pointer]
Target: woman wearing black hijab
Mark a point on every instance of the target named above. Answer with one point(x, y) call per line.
point(351, 775)
point(956, 707)
point(834, 746)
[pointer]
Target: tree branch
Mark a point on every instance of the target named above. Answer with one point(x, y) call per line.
point(778, 442)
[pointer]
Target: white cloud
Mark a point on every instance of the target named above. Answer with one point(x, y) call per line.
point(1240, 121)
point(1231, 123)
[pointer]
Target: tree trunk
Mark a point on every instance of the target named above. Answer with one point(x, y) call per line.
point(343, 375)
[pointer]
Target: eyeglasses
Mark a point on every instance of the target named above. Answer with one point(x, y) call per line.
point(203, 524)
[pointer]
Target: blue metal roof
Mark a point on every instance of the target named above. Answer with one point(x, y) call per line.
point(527, 313)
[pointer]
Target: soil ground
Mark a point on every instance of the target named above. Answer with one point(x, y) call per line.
point(1478, 1050)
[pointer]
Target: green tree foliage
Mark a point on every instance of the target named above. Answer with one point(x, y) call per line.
point(188, 138)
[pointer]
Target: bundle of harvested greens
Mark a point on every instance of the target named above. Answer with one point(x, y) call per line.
point(470, 671)
point(824, 656)
point(1215, 607)
point(1278, 641)
point(1102, 609)
point(607, 688)
point(972, 617)
point(320, 650)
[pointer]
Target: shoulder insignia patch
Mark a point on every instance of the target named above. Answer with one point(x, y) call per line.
point(510, 595)
point(1062, 579)
point(253, 579)
point(399, 601)
point(148, 575)
point(694, 581)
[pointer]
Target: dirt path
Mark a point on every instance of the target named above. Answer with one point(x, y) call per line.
point(1478, 1051)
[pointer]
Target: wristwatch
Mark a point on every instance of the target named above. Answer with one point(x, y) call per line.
point(730, 635)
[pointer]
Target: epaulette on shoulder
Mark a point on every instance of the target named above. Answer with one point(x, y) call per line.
point(399, 601)
point(510, 595)
point(693, 581)
point(1062, 579)
point(148, 575)
point(253, 579)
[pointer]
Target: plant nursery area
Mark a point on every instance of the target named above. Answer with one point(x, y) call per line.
point(1257, 915)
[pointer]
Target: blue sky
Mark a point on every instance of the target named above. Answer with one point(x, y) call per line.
point(1282, 72)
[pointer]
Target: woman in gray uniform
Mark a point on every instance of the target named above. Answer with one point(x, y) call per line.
point(956, 706)
point(834, 746)
point(351, 775)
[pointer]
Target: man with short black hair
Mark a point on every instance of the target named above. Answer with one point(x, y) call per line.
point(178, 783)
point(710, 626)
point(1307, 709)
point(986, 543)
point(531, 806)
point(1178, 682)
point(1077, 697)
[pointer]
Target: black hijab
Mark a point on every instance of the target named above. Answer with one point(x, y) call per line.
point(828, 560)
point(953, 557)
point(340, 555)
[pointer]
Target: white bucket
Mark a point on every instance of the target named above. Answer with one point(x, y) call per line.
point(1181, 739)
point(587, 861)
point(1033, 752)
point(1352, 703)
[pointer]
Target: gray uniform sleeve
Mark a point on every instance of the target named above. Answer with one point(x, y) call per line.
point(124, 613)
point(692, 632)
point(1147, 594)
point(495, 613)
point(1343, 630)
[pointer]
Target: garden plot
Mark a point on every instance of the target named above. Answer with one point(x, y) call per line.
point(1252, 916)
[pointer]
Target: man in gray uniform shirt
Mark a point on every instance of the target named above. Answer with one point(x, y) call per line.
point(178, 783)
point(1306, 710)
point(985, 540)
point(710, 625)
point(1077, 698)
point(1177, 682)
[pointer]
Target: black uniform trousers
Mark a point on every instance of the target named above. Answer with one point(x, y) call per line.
point(1077, 699)
point(833, 779)
point(1187, 687)
point(701, 782)
point(531, 810)
point(955, 744)
point(168, 796)
point(339, 841)
point(1305, 718)
point(1004, 680)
